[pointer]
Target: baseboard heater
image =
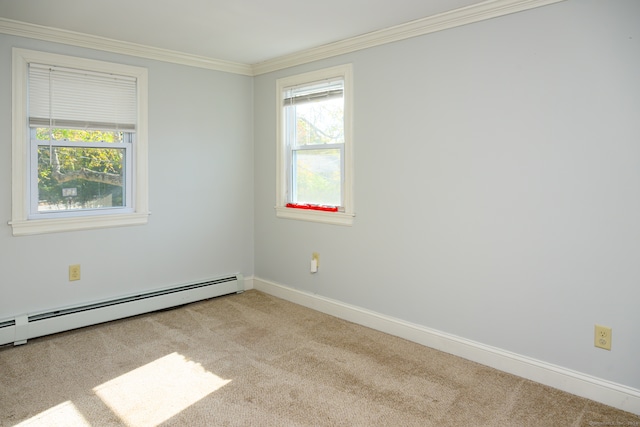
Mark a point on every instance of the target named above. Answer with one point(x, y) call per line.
point(21, 328)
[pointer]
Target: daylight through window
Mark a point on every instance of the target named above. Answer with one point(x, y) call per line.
point(315, 146)
point(79, 144)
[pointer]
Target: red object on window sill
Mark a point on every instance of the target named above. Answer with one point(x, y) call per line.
point(312, 207)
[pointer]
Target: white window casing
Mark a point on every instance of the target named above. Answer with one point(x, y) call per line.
point(30, 113)
point(287, 86)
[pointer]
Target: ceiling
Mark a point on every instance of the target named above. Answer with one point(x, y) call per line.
point(242, 31)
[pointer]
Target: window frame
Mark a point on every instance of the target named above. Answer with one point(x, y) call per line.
point(24, 224)
point(34, 195)
point(283, 153)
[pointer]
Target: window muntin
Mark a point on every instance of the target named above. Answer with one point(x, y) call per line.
point(104, 124)
point(314, 149)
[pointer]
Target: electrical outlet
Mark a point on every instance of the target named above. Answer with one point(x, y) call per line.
point(603, 337)
point(74, 272)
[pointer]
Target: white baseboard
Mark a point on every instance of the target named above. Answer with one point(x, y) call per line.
point(599, 390)
point(248, 283)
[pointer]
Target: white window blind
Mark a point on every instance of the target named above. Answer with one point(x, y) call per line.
point(314, 92)
point(68, 98)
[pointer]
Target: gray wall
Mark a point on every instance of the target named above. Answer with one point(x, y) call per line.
point(497, 186)
point(201, 195)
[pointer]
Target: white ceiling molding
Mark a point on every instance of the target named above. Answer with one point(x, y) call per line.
point(454, 18)
point(23, 29)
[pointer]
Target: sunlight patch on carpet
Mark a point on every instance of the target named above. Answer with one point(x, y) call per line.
point(64, 414)
point(153, 393)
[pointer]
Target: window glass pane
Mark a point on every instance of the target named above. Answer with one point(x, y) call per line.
point(317, 177)
point(74, 178)
point(320, 122)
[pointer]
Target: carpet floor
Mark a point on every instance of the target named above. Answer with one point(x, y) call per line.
point(255, 360)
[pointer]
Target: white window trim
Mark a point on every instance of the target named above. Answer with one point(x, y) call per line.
point(338, 218)
point(20, 222)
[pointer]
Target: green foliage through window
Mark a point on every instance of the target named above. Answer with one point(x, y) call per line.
point(74, 175)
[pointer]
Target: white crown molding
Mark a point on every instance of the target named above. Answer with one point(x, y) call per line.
point(23, 29)
point(454, 18)
point(570, 381)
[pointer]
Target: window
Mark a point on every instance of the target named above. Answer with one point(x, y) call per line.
point(79, 144)
point(314, 147)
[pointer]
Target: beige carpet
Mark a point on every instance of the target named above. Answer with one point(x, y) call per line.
point(255, 360)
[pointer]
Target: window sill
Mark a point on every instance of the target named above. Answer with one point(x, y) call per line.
point(336, 218)
point(43, 226)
